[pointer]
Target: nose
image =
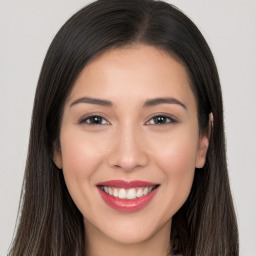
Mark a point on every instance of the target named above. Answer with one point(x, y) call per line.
point(128, 151)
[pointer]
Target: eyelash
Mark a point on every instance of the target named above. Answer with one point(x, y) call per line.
point(161, 118)
point(93, 118)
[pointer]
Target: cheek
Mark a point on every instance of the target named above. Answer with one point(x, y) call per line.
point(176, 158)
point(176, 153)
point(81, 158)
point(80, 154)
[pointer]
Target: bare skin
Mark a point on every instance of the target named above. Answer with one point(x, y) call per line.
point(143, 126)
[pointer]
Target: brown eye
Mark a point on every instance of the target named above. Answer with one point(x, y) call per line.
point(94, 120)
point(161, 120)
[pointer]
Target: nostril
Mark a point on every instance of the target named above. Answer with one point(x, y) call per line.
point(127, 156)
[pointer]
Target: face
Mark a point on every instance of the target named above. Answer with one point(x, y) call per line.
point(130, 143)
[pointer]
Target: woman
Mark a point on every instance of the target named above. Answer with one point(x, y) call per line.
point(127, 152)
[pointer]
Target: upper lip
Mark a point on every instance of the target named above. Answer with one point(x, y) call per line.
point(126, 184)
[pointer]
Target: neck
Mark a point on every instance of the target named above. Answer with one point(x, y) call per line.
point(97, 244)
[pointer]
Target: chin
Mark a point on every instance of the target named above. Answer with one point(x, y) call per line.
point(133, 229)
point(130, 236)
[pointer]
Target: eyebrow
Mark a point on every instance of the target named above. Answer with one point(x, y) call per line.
point(166, 100)
point(105, 103)
point(148, 103)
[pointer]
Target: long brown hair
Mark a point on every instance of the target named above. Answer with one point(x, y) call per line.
point(49, 222)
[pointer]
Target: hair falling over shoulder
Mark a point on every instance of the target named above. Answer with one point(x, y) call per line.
point(49, 222)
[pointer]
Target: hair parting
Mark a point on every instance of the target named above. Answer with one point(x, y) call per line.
point(49, 222)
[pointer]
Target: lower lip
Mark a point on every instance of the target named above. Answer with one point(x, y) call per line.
point(127, 205)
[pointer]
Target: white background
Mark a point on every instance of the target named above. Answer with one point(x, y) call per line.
point(26, 30)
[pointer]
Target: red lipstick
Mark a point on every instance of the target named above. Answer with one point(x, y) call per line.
point(123, 204)
point(127, 184)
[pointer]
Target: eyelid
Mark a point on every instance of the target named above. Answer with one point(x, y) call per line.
point(83, 119)
point(172, 119)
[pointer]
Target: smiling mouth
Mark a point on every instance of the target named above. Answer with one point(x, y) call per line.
point(128, 194)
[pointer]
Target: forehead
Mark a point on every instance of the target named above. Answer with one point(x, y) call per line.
point(133, 72)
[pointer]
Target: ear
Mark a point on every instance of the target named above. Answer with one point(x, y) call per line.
point(203, 144)
point(57, 156)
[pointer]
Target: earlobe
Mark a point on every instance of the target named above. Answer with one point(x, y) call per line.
point(57, 157)
point(203, 144)
point(202, 151)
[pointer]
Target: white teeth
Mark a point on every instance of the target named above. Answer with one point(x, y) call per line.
point(122, 193)
point(145, 191)
point(115, 194)
point(139, 192)
point(131, 193)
